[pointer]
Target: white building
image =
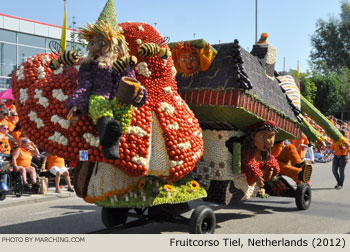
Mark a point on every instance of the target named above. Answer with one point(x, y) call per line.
point(22, 38)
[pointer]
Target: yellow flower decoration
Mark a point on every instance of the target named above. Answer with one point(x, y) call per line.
point(194, 184)
point(168, 188)
point(141, 184)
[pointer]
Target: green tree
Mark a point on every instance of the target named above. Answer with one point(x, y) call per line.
point(328, 96)
point(331, 41)
point(344, 80)
point(78, 44)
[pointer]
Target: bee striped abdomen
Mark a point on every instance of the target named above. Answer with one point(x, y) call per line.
point(148, 50)
point(66, 58)
point(69, 57)
point(120, 65)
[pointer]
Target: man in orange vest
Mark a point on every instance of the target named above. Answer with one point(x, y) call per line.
point(57, 167)
point(341, 158)
point(22, 159)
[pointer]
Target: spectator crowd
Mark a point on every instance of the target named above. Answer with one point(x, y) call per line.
point(17, 148)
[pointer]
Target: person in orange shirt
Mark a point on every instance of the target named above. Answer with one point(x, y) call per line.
point(16, 134)
point(5, 147)
point(290, 163)
point(22, 159)
point(341, 158)
point(3, 117)
point(57, 167)
point(10, 106)
point(301, 144)
point(12, 120)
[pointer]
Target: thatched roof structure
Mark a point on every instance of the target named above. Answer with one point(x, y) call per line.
point(236, 92)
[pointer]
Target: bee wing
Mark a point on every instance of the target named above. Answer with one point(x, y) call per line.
point(55, 47)
point(164, 41)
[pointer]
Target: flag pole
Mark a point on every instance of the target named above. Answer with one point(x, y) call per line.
point(298, 74)
point(256, 20)
point(64, 30)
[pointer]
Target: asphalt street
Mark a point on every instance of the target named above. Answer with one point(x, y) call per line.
point(65, 213)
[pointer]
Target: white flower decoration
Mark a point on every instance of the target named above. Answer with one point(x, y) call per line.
point(45, 59)
point(41, 99)
point(167, 108)
point(168, 90)
point(62, 122)
point(91, 139)
point(58, 138)
point(142, 69)
point(139, 160)
point(174, 163)
point(59, 95)
point(174, 126)
point(184, 146)
point(33, 116)
point(135, 130)
point(23, 95)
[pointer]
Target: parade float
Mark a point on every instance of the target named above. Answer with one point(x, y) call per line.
point(176, 139)
point(239, 90)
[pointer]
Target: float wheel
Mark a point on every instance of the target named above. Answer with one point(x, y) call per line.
point(114, 216)
point(203, 221)
point(303, 196)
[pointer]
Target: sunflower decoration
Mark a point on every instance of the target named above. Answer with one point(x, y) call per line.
point(263, 194)
point(168, 188)
point(194, 184)
point(141, 184)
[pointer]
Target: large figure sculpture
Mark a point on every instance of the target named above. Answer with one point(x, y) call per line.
point(98, 85)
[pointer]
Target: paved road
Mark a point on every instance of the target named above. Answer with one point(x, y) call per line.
point(329, 213)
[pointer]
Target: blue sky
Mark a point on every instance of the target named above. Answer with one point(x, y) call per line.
point(289, 23)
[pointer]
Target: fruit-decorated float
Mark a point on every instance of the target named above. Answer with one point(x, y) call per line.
point(160, 140)
point(239, 90)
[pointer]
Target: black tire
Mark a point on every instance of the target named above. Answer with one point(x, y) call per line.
point(114, 216)
point(2, 196)
point(303, 196)
point(18, 185)
point(202, 221)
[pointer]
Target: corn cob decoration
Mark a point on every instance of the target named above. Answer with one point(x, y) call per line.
point(311, 133)
point(236, 162)
point(321, 120)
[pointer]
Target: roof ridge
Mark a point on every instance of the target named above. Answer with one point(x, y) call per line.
point(238, 69)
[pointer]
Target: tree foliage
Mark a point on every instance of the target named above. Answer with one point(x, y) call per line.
point(330, 63)
point(331, 41)
point(328, 98)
